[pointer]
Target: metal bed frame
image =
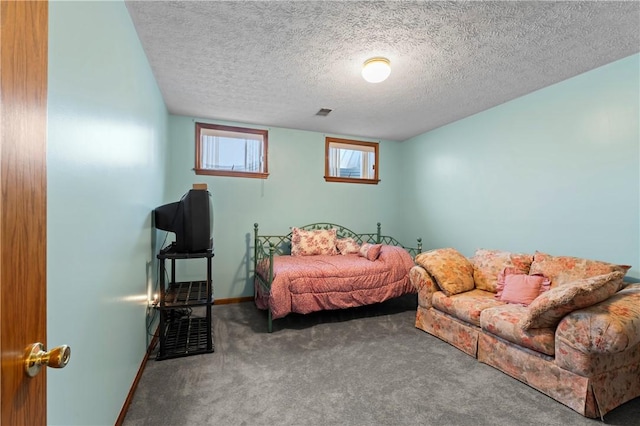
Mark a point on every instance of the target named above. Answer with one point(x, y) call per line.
point(268, 246)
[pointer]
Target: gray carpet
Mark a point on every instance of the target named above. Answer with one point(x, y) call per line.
point(362, 366)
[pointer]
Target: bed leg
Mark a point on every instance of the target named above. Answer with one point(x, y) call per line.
point(269, 322)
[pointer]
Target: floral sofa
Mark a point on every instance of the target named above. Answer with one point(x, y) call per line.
point(566, 326)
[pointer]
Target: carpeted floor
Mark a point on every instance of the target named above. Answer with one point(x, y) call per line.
point(362, 366)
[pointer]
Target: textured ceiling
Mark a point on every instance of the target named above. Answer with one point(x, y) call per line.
point(277, 63)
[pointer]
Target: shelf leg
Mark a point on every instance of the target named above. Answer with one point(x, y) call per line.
point(208, 308)
point(163, 314)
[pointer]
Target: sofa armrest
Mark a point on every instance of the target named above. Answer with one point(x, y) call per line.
point(424, 284)
point(610, 326)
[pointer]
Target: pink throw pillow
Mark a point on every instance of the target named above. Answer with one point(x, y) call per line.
point(501, 279)
point(521, 289)
point(516, 287)
point(370, 251)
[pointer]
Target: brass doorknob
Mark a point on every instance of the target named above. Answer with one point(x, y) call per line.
point(36, 357)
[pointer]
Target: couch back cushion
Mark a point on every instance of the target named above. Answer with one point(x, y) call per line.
point(551, 306)
point(487, 265)
point(449, 268)
point(565, 269)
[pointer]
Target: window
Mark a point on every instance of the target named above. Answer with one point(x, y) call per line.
point(351, 161)
point(231, 151)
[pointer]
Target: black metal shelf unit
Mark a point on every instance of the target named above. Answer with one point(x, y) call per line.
point(181, 333)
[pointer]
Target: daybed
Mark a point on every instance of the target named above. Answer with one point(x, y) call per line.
point(566, 326)
point(327, 266)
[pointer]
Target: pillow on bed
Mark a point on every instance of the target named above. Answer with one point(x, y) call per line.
point(370, 251)
point(347, 246)
point(310, 243)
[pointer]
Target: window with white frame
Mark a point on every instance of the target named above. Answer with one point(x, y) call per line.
point(351, 161)
point(231, 151)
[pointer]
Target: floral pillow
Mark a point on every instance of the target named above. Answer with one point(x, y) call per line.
point(310, 243)
point(488, 264)
point(370, 251)
point(550, 307)
point(450, 269)
point(347, 246)
point(566, 269)
point(516, 287)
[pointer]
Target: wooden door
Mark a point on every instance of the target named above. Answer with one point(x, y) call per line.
point(23, 242)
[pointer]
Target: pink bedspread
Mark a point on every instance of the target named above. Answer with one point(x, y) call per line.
point(305, 284)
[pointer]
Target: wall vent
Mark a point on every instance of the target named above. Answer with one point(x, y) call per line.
point(323, 112)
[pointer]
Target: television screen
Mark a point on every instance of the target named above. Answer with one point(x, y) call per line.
point(190, 219)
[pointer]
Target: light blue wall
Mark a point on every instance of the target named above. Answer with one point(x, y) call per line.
point(557, 171)
point(567, 156)
point(107, 136)
point(295, 194)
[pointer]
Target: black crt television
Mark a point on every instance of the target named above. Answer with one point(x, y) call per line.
point(190, 219)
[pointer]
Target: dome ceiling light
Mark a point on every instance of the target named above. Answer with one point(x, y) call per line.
point(376, 70)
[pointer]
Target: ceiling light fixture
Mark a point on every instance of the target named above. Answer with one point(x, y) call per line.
point(376, 70)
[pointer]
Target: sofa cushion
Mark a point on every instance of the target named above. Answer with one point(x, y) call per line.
point(451, 270)
point(465, 306)
point(607, 327)
point(565, 269)
point(311, 243)
point(503, 321)
point(487, 264)
point(550, 307)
